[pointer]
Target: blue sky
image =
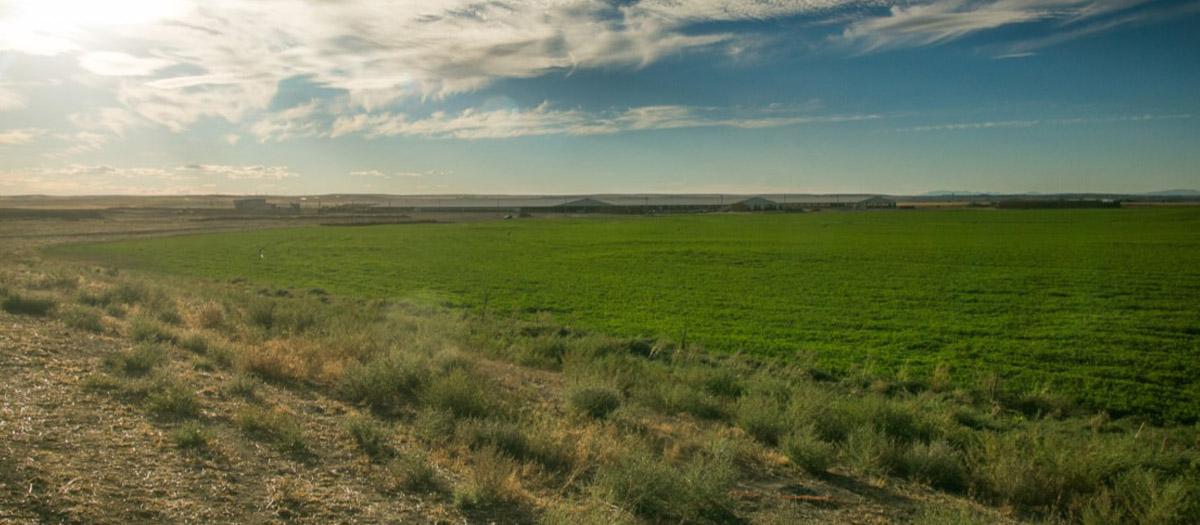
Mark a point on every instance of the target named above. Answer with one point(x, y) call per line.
point(583, 96)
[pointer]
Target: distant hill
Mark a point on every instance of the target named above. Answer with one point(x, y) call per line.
point(1173, 193)
point(949, 193)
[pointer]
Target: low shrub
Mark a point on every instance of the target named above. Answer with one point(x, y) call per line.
point(410, 471)
point(23, 305)
point(210, 315)
point(127, 292)
point(278, 361)
point(806, 450)
point(370, 436)
point(194, 342)
point(81, 318)
point(489, 484)
point(173, 400)
point(169, 316)
point(139, 360)
point(274, 426)
point(244, 386)
point(191, 436)
point(762, 418)
point(435, 426)
point(1141, 496)
point(937, 463)
point(869, 451)
point(650, 487)
point(594, 401)
point(461, 394)
point(511, 439)
point(149, 331)
point(385, 384)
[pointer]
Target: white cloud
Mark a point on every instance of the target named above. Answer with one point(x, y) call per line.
point(113, 64)
point(14, 137)
point(10, 100)
point(84, 179)
point(940, 21)
point(1001, 124)
point(232, 139)
point(377, 174)
point(545, 120)
point(239, 172)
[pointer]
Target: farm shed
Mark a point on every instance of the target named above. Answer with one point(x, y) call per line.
point(755, 204)
point(858, 202)
point(585, 205)
point(252, 204)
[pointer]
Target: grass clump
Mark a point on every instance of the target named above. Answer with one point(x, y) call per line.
point(594, 401)
point(127, 292)
point(273, 426)
point(370, 436)
point(461, 394)
point(806, 450)
point(191, 436)
point(210, 315)
point(763, 418)
point(139, 360)
point(385, 384)
point(489, 484)
point(81, 318)
point(173, 401)
point(244, 386)
point(24, 305)
point(412, 471)
point(648, 486)
point(149, 331)
point(195, 343)
point(937, 463)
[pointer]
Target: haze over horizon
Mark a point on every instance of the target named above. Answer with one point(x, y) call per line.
point(587, 96)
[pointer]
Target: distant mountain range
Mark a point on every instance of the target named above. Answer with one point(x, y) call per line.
point(964, 193)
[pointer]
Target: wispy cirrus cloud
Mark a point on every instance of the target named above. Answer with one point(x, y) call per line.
point(1002, 124)
point(95, 179)
point(546, 120)
point(939, 21)
point(13, 137)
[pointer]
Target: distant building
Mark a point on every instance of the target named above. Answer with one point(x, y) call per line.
point(855, 202)
point(1058, 203)
point(755, 204)
point(253, 204)
point(586, 205)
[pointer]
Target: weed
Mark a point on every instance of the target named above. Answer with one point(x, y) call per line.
point(489, 484)
point(244, 386)
point(173, 400)
point(763, 418)
point(148, 331)
point(937, 463)
point(411, 471)
point(210, 315)
point(595, 401)
point(274, 426)
point(191, 436)
point(370, 436)
point(21, 305)
point(138, 360)
point(195, 343)
point(807, 451)
point(648, 486)
point(435, 426)
point(386, 383)
point(460, 394)
point(81, 318)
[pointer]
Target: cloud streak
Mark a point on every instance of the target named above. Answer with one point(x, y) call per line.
point(1003, 124)
point(474, 124)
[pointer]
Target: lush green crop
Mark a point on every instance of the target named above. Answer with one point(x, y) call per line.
point(1103, 305)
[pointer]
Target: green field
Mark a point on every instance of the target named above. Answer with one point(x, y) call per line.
point(1101, 305)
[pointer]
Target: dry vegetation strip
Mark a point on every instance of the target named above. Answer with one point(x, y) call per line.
point(453, 414)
